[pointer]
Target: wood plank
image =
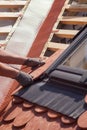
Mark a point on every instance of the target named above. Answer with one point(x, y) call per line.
point(76, 8)
point(12, 4)
point(82, 1)
point(74, 20)
point(5, 30)
point(62, 33)
point(2, 43)
point(56, 46)
point(9, 15)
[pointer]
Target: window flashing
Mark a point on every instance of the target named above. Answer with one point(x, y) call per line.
point(69, 67)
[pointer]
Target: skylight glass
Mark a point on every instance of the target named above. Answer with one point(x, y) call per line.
point(78, 58)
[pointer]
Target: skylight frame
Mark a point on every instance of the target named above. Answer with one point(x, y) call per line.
point(67, 74)
point(74, 44)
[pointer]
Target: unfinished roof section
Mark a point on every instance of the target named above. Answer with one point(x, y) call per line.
point(10, 15)
point(36, 117)
point(62, 84)
point(29, 26)
point(71, 19)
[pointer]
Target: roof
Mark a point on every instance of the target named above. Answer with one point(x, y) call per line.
point(23, 115)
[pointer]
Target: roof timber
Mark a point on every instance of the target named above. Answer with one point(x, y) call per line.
point(54, 28)
point(56, 46)
point(5, 30)
point(66, 33)
point(12, 4)
point(74, 20)
point(9, 15)
point(13, 15)
point(82, 1)
point(2, 43)
point(76, 8)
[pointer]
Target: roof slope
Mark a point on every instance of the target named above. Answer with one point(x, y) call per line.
point(22, 115)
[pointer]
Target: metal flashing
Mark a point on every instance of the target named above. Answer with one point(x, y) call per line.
point(58, 97)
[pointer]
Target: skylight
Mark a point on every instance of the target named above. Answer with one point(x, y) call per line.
point(78, 58)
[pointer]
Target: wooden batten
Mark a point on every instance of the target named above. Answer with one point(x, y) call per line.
point(74, 20)
point(62, 33)
point(82, 1)
point(12, 4)
point(5, 30)
point(77, 8)
point(9, 15)
point(65, 26)
point(57, 46)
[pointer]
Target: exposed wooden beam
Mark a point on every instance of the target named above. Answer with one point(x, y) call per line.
point(82, 1)
point(12, 4)
point(74, 20)
point(9, 15)
point(62, 33)
point(76, 8)
point(2, 42)
point(55, 46)
point(5, 30)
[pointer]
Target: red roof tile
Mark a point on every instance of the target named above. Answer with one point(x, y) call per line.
point(26, 116)
point(82, 121)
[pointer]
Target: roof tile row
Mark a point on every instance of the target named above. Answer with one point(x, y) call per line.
point(22, 115)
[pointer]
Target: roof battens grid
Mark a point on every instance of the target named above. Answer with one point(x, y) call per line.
point(71, 19)
point(12, 16)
